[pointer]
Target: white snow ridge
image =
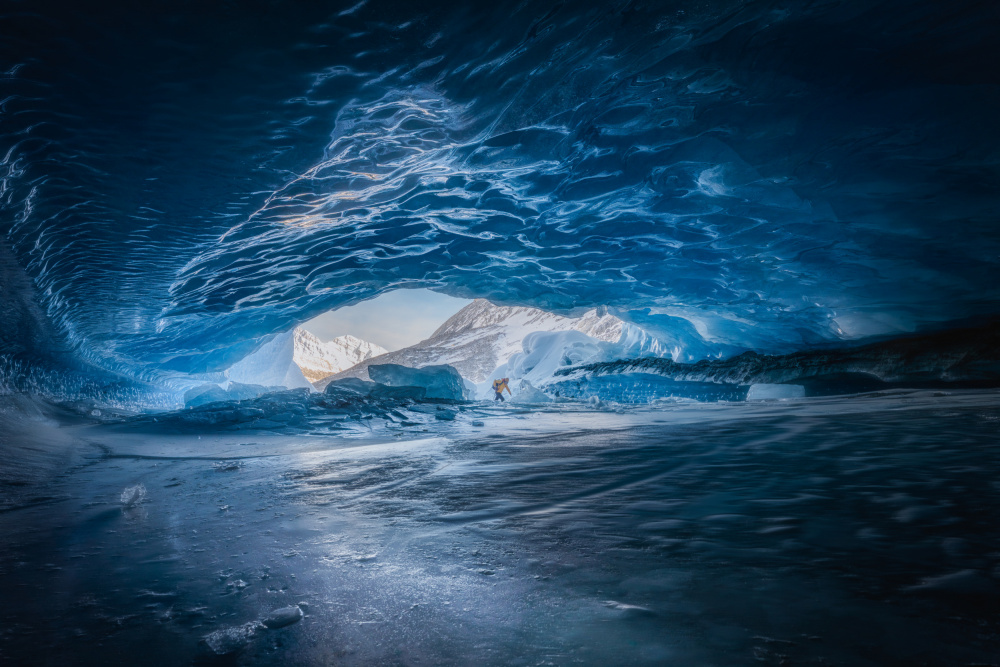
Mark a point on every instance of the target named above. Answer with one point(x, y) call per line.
point(319, 360)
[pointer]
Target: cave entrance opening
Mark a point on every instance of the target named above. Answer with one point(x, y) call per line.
point(392, 321)
point(337, 340)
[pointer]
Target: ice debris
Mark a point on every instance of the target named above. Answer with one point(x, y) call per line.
point(280, 618)
point(229, 640)
point(133, 495)
point(445, 415)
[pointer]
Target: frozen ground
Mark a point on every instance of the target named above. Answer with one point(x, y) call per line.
point(843, 531)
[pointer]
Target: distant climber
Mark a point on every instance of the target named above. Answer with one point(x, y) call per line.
point(498, 387)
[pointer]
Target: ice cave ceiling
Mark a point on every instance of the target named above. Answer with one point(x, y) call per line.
point(181, 178)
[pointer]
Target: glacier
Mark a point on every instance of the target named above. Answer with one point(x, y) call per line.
point(738, 258)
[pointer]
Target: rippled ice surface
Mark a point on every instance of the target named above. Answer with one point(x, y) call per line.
point(857, 531)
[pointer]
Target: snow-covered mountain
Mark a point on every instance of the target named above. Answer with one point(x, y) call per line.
point(319, 360)
point(482, 336)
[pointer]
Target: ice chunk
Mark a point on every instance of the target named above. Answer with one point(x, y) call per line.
point(763, 392)
point(441, 381)
point(399, 393)
point(133, 495)
point(350, 386)
point(229, 640)
point(355, 388)
point(280, 618)
point(526, 393)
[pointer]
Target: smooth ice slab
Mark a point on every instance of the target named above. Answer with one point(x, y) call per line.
point(762, 392)
point(441, 381)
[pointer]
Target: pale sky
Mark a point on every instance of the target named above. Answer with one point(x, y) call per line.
point(394, 320)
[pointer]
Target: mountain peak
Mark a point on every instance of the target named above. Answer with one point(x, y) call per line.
point(319, 359)
point(483, 335)
point(481, 314)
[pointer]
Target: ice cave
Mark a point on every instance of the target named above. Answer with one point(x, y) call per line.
point(618, 332)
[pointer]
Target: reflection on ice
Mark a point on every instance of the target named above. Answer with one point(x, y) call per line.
point(857, 531)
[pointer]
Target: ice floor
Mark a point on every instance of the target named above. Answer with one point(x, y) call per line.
point(845, 531)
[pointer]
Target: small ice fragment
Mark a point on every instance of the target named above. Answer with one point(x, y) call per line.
point(629, 610)
point(228, 640)
point(238, 585)
point(962, 583)
point(285, 616)
point(133, 495)
point(478, 423)
point(227, 466)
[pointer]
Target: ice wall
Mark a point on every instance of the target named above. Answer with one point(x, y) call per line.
point(271, 365)
point(727, 175)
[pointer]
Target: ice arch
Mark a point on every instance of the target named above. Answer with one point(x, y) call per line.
point(733, 175)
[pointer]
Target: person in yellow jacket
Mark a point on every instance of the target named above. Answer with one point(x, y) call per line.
point(498, 387)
